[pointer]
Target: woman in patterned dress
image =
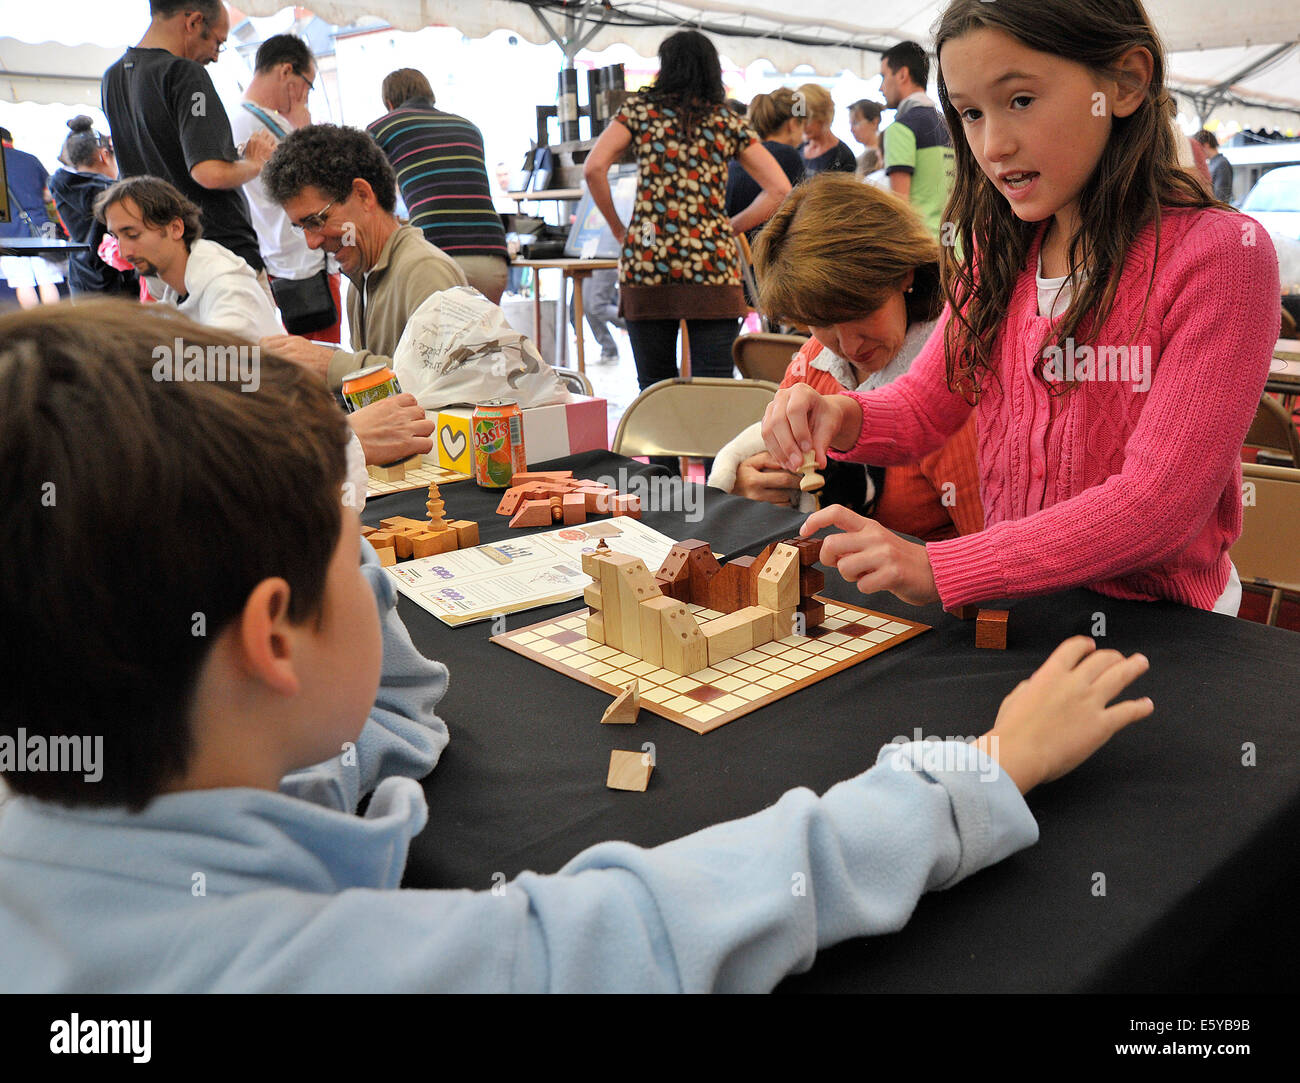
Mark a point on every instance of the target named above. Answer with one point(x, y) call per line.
point(679, 257)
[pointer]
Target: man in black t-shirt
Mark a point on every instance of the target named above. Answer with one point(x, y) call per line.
point(168, 121)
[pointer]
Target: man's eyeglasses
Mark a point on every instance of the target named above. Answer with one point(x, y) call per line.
point(311, 85)
point(314, 222)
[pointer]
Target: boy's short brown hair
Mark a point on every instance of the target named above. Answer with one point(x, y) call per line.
point(836, 248)
point(136, 516)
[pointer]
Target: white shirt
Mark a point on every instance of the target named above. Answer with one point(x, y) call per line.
point(222, 292)
point(283, 249)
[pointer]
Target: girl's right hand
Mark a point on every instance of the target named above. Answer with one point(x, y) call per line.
point(800, 420)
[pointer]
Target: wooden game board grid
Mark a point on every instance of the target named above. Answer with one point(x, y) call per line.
point(416, 478)
point(713, 696)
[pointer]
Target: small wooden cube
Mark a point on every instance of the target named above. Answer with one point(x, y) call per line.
point(629, 770)
point(810, 549)
point(596, 627)
point(466, 532)
point(963, 612)
point(627, 504)
point(387, 556)
point(396, 472)
point(433, 543)
point(575, 509)
point(532, 513)
point(991, 629)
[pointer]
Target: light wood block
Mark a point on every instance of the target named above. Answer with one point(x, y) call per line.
point(624, 708)
point(381, 539)
point(387, 556)
point(627, 504)
point(432, 543)
point(591, 595)
point(783, 623)
point(778, 582)
point(683, 643)
point(727, 637)
point(396, 472)
point(651, 613)
point(589, 566)
point(532, 513)
point(635, 585)
point(596, 627)
point(761, 625)
point(575, 509)
point(628, 771)
point(466, 532)
point(611, 597)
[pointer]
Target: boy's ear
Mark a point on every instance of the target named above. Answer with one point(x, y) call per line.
point(265, 638)
point(1132, 74)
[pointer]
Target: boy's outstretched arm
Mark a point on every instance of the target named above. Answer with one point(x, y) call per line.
point(402, 736)
point(740, 905)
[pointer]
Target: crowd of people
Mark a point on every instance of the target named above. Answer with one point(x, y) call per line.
point(1008, 224)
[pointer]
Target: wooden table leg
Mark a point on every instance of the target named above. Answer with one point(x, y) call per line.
point(577, 316)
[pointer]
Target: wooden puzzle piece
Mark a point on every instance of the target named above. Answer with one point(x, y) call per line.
point(624, 709)
point(811, 481)
point(991, 629)
point(532, 513)
point(394, 472)
point(682, 642)
point(628, 771)
point(778, 582)
point(964, 612)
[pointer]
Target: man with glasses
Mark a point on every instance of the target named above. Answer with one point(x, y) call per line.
point(338, 188)
point(167, 120)
point(283, 76)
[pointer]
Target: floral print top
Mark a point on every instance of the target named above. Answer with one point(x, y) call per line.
point(680, 234)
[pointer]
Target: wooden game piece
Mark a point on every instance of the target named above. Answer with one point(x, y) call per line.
point(397, 522)
point(403, 541)
point(602, 501)
point(525, 476)
point(634, 586)
point(532, 513)
point(761, 624)
point(624, 708)
point(602, 544)
point(614, 594)
point(466, 532)
point(991, 629)
point(964, 612)
point(725, 590)
point(628, 771)
point(627, 505)
point(396, 472)
point(810, 549)
point(591, 595)
point(602, 530)
point(676, 573)
point(596, 627)
point(778, 582)
point(814, 613)
point(811, 481)
point(575, 509)
point(381, 539)
point(510, 502)
point(728, 636)
point(783, 623)
point(431, 543)
point(366, 531)
point(557, 509)
point(435, 507)
point(811, 580)
point(651, 614)
point(683, 643)
point(387, 556)
point(679, 590)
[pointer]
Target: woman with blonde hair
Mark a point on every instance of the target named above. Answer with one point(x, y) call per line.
point(823, 150)
point(780, 126)
point(857, 265)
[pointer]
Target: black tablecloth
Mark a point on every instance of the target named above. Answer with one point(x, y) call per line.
point(1193, 845)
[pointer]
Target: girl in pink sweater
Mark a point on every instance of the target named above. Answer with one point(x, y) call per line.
point(1113, 332)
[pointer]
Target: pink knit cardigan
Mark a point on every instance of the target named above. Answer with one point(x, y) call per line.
point(1134, 494)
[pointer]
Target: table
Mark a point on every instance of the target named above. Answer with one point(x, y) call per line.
point(39, 246)
point(576, 269)
point(1198, 851)
point(1284, 374)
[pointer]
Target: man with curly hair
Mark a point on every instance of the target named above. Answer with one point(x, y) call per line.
point(337, 187)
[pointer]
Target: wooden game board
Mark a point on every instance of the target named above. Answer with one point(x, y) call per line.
point(419, 478)
point(714, 696)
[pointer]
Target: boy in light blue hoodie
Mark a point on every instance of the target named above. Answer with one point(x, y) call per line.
point(194, 600)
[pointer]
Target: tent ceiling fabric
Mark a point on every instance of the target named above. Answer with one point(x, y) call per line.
point(1211, 41)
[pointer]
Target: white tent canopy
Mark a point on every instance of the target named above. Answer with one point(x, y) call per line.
point(1212, 44)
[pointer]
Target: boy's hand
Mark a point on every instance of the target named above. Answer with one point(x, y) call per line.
point(301, 350)
point(800, 420)
point(1056, 719)
point(872, 556)
point(761, 477)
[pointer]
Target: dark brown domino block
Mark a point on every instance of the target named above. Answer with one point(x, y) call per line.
point(679, 589)
point(991, 629)
point(810, 549)
point(963, 612)
point(811, 580)
point(725, 589)
point(813, 613)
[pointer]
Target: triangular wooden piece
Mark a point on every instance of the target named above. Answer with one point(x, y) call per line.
point(624, 709)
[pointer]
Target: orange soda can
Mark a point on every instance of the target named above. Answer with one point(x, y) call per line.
point(498, 429)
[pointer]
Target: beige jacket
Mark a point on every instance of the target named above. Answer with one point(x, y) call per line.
point(409, 270)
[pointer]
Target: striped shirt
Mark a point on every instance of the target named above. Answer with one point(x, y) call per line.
point(443, 177)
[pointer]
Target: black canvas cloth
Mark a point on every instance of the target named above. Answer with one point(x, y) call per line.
point(1194, 846)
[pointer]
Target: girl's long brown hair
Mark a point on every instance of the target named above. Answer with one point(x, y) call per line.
point(1137, 174)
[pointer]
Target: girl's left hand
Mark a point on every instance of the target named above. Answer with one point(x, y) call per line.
point(873, 557)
